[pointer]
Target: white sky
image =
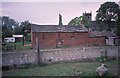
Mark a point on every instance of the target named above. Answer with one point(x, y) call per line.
point(40, 12)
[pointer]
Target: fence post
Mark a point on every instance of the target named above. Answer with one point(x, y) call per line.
point(106, 53)
point(38, 49)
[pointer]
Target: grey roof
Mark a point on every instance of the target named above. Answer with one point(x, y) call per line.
point(101, 33)
point(93, 25)
point(57, 28)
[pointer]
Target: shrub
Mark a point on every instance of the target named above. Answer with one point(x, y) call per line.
point(25, 66)
point(101, 59)
point(95, 44)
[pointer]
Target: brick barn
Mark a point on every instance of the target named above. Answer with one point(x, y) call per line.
point(53, 36)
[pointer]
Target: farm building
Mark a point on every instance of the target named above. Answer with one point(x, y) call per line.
point(111, 38)
point(52, 36)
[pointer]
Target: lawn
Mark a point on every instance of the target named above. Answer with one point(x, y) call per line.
point(64, 69)
point(18, 46)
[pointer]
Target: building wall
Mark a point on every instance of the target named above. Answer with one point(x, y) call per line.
point(49, 40)
point(101, 41)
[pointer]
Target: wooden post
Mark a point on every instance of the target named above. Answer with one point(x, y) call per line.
point(23, 39)
point(118, 60)
point(38, 49)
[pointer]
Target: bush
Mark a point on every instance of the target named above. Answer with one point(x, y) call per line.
point(22, 66)
point(101, 59)
point(7, 46)
point(25, 66)
point(95, 44)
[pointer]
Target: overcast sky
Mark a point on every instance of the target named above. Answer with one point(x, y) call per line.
point(48, 12)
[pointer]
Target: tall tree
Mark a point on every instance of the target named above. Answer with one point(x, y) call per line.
point(118, 24)
point(25, 26)
point(77, 21)
point(107, 15)
point(8, 25)
point(18, 30)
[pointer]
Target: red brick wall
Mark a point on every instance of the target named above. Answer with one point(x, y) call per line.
point(48, 40)
point(98, 40)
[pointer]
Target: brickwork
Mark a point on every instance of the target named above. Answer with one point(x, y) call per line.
point(49, 40)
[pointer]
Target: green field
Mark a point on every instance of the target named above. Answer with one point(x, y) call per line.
point(18, 46)
point(64, 69)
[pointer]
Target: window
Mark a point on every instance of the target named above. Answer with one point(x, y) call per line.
point(73, 36)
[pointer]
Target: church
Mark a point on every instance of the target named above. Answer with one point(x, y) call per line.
point(58, 36)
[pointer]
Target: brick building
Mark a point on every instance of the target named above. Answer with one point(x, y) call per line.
point(52, 36)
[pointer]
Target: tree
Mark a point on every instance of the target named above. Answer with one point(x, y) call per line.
point(8, 25)
point(8, 22)
point(25, 25)
point(118, 25)
point(77, 21)
point(6, 32)
point(18, 30)
point(107, 15)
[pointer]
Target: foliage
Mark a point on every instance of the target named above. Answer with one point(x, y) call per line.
point(15, 46)
point(101, 59)
point(95, 44)
point(77, 21)
point(8, 22)
point(18, 30)
point(118, 25)
point(28, 37)
point(6, 32)
point(107, 15)
point(10, 27)
point(25, 24)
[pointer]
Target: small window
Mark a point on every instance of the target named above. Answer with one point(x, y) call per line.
point(72, 38)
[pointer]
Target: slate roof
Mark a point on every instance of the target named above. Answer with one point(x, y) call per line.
point(93, 23)
point(101, 33)
point(57, 28)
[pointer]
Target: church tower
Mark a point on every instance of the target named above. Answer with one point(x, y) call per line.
point(88, 15)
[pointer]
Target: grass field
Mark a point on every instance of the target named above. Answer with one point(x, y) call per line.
point(64, 69)
point(18, 46)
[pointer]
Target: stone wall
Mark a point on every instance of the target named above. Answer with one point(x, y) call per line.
point(11, 58)
point(55, 55)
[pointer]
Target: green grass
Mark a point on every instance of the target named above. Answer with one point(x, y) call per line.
point(64, 69)
point(19, 46)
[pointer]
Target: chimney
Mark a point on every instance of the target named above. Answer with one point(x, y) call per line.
point(60, 19)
